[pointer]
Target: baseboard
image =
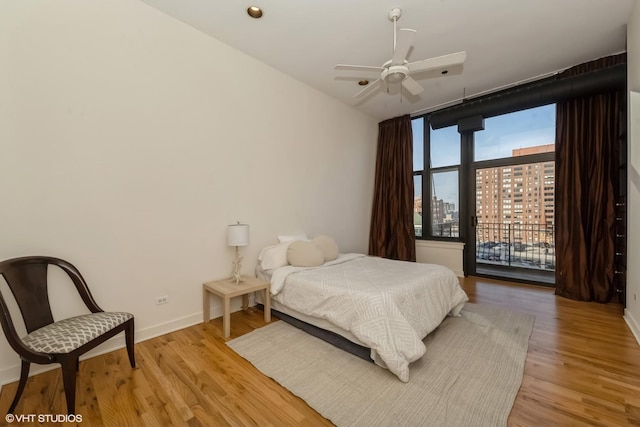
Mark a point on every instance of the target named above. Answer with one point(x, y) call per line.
point(633, 324)
point(12, 374)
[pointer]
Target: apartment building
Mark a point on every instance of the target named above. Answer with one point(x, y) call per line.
point(516, 203)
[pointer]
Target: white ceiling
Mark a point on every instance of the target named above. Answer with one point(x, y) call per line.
point(507, 41)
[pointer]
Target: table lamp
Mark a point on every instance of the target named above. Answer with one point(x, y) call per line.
point(237, 235)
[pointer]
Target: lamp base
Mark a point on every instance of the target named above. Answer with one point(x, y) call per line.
point(236, 278)
point(235, 272)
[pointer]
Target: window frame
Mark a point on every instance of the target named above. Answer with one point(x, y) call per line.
point(427, 217)
point(466, 141)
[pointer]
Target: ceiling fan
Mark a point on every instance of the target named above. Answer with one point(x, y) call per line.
point(398, 69)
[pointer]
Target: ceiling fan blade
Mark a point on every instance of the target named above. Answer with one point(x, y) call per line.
point(412, 86)
point(369, 89)
point(358, 68)
point(443, 62)
point(403, 44)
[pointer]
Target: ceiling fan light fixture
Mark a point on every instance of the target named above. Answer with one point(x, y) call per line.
point(254, 12)
point(394, 74)
point(395, 77)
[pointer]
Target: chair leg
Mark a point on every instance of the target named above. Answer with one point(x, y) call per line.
point(24, 375)
point(129, 335)
point(69, 382)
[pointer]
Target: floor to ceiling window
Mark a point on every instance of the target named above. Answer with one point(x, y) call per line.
point(440, 180)
point(510, 226)
point(514, 170)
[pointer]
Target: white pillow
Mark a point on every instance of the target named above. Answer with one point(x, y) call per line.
point(274, 256)
point(283, 238)
point(328, 246)
point(303, 253)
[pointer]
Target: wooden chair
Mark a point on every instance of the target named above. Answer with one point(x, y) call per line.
point(48, 341)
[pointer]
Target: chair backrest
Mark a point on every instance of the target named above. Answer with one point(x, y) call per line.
point(27, 279)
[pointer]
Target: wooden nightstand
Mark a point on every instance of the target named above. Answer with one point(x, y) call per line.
point(227, 289)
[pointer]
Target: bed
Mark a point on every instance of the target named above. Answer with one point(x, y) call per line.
point(369, 304)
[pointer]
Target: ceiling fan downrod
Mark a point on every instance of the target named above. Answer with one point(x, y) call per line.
point(394, 15)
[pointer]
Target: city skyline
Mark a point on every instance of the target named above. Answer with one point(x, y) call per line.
point(502, 135)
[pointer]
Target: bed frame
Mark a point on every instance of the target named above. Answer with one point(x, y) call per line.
point(328, 336)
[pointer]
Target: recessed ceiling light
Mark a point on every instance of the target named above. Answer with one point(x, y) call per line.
point(363, 82)
point(254, 12)
point(445, 71)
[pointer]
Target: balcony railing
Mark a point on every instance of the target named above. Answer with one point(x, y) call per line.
point(517, 245)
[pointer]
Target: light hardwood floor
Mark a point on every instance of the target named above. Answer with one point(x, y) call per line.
point(583, 368)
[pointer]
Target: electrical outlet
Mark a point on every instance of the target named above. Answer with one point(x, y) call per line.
point(162, 300)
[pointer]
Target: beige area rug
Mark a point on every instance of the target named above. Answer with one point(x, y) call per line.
point(469, 376)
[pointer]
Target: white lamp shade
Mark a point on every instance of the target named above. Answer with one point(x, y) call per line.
point(238, 235)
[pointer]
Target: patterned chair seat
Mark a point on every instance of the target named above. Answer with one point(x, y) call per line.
point(69, 334)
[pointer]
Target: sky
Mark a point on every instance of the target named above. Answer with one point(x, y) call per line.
point(502, 134)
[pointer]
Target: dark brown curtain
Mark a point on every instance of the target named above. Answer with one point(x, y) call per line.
point(587, 177)
point(392, 233)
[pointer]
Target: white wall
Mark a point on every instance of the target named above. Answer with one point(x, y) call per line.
point(128, 143)
point(632, 311)
point(449, 254)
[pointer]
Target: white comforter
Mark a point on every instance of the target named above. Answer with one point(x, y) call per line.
point(390, 306)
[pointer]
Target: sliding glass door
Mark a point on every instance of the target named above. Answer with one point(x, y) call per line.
point(512, 230)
